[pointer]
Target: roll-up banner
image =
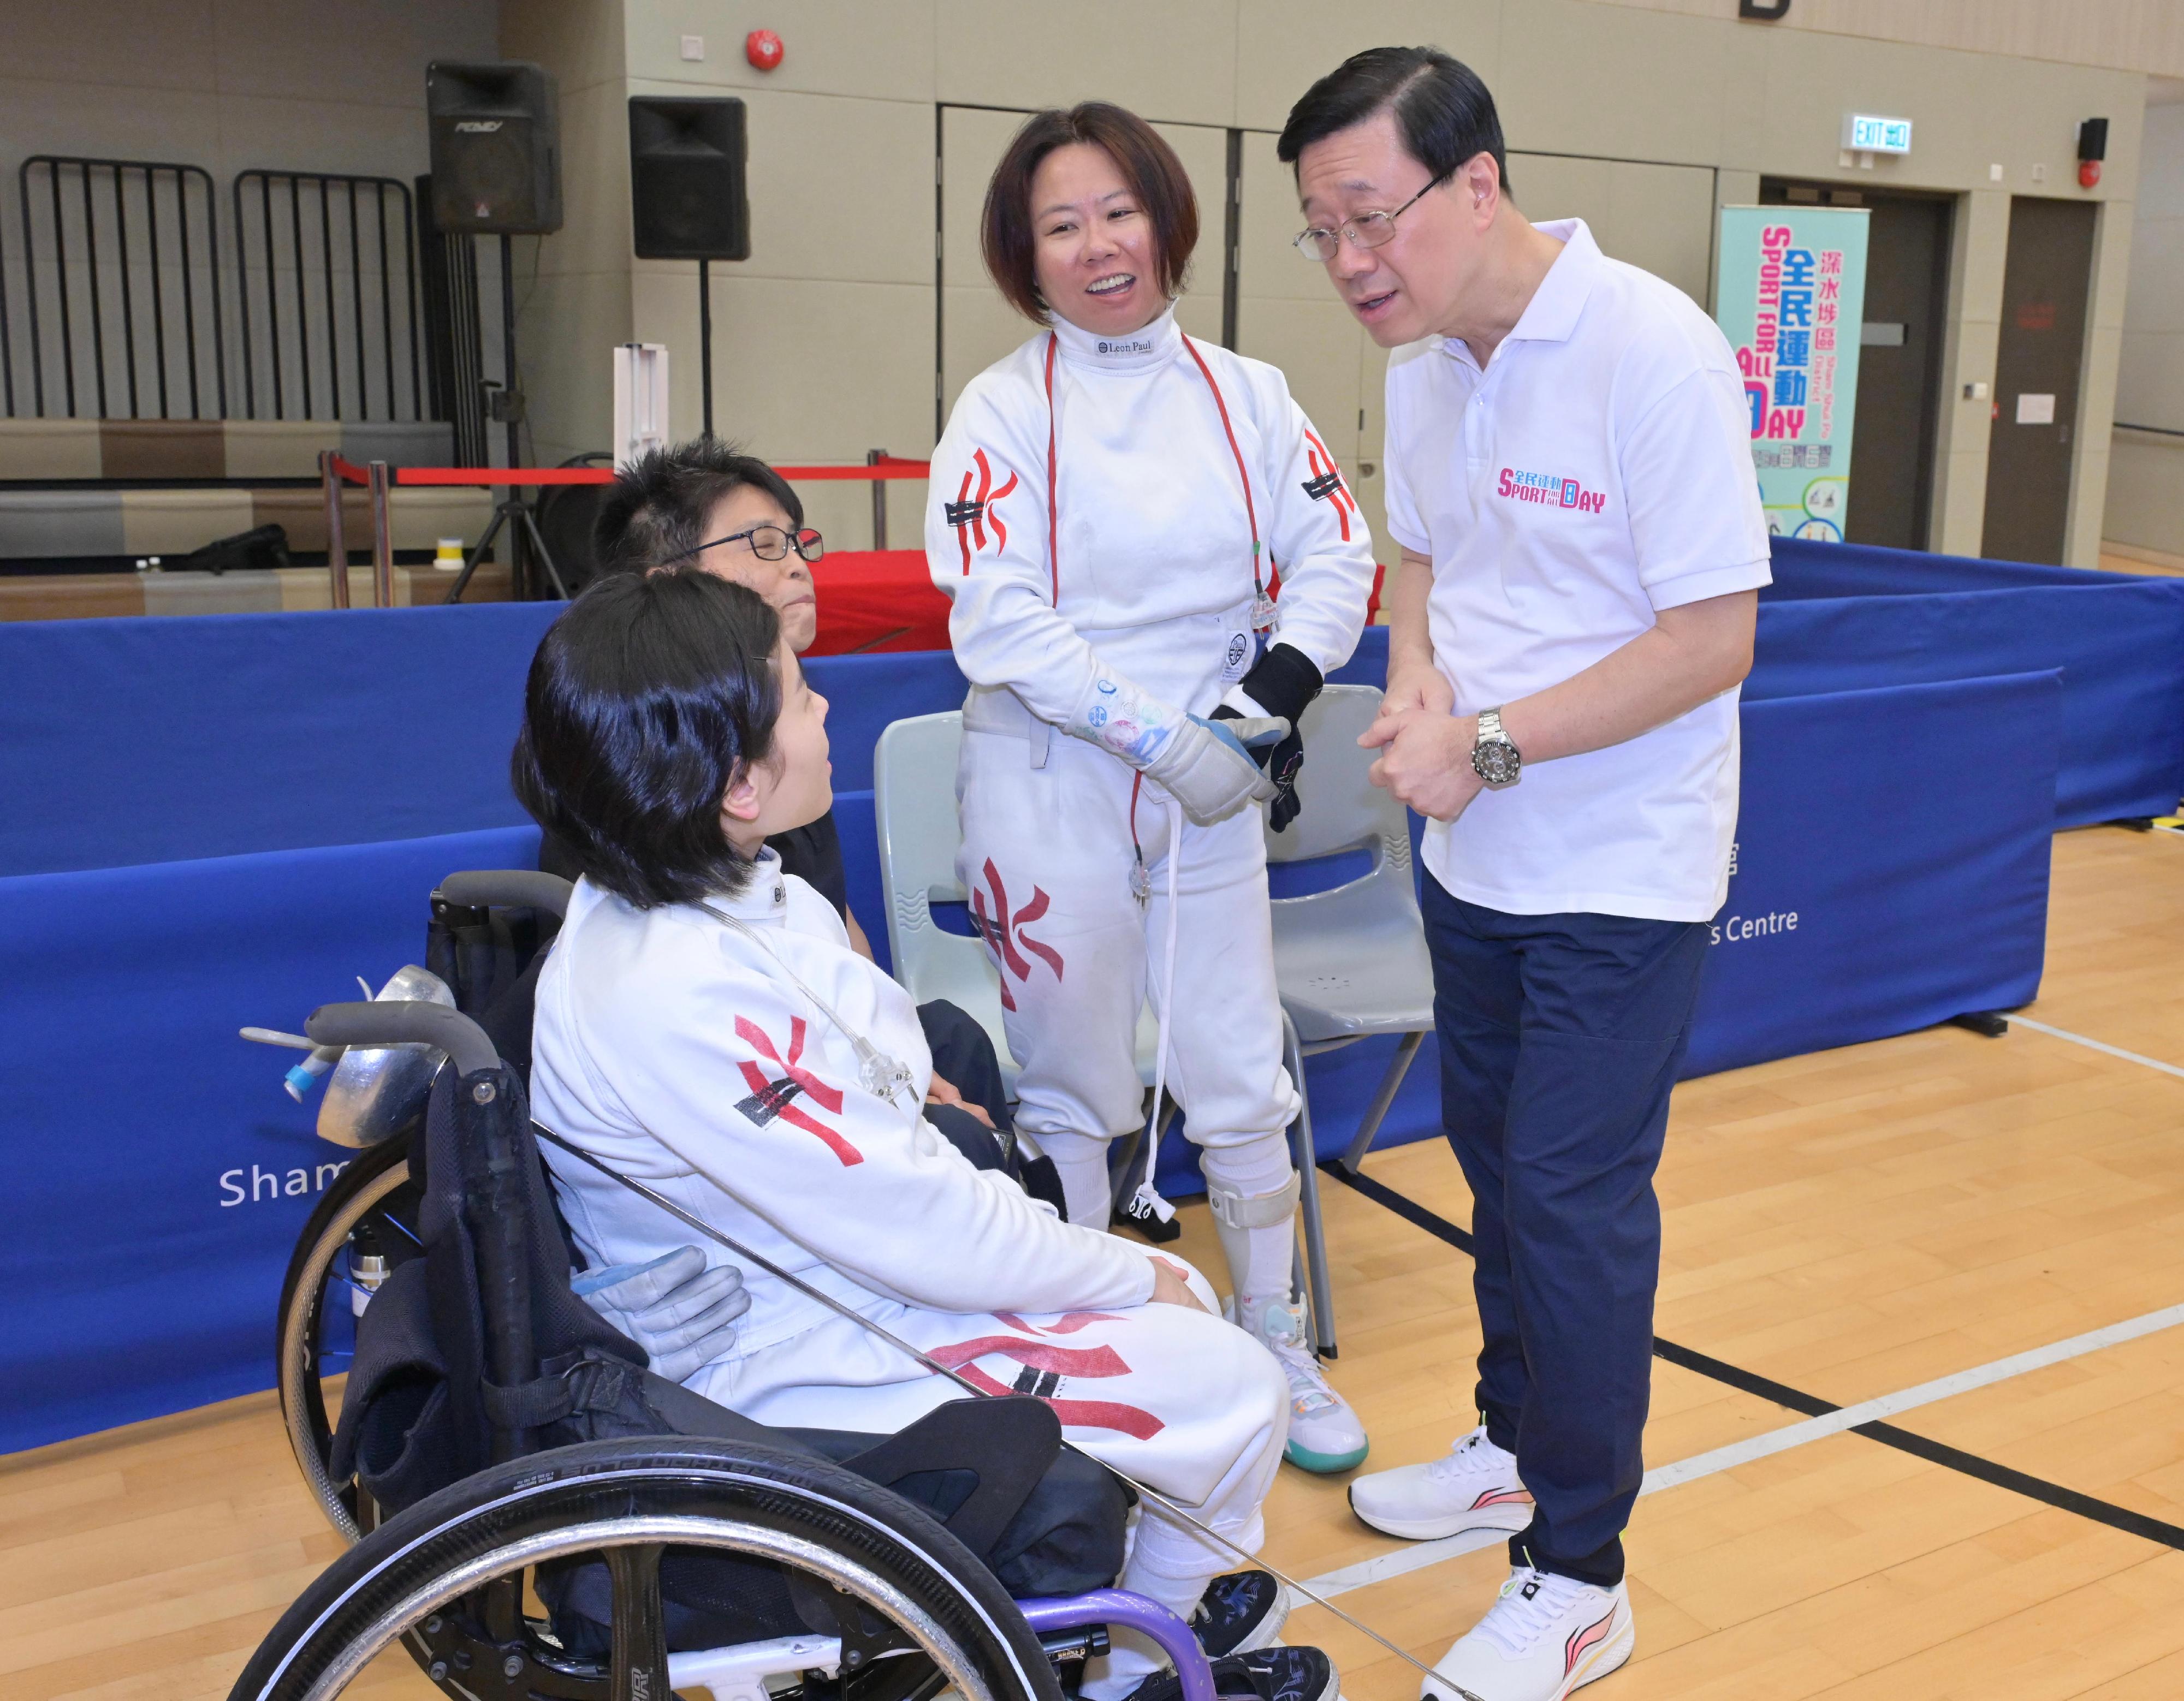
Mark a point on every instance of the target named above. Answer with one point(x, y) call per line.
point(1790, 299)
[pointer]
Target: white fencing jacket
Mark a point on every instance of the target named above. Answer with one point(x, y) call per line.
point(680, 1053)
point(1086, 501)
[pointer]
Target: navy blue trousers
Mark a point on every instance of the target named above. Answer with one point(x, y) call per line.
point(1560, 1037)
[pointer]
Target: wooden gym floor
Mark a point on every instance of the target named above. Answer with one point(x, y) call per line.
point(1840, 1228)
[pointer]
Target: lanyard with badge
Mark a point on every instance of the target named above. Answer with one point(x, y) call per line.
point(1266, 617)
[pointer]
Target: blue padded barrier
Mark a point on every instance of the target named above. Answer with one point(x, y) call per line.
point(285, 789)
point(159, 1175)
point(162, 1176)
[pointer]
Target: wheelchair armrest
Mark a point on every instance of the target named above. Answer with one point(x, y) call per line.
point(412, 1022)
point(484, 887)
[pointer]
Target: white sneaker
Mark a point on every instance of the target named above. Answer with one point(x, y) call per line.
point(1546, 1636)
point(1473, 1487)
point(1325, 1435)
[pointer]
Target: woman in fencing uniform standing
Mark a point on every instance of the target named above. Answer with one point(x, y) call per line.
point(1153, 561)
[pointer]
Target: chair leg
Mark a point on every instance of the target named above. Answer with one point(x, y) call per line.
point(1321, 1287)
point(1398, 1066)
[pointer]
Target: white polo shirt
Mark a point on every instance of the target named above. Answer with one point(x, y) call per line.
point(1597, 471)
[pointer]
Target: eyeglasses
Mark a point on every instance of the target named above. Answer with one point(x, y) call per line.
point(768, 543)
point(1365, 231)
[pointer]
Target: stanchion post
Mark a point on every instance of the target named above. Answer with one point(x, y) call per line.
point(873, 458)
point(706, 338)
point(337, 538)
point(382, 541)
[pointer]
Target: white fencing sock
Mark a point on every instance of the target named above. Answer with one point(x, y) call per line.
point(1081, 1161)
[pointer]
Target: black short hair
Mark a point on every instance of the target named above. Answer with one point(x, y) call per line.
point(1443, 111)
point(658, 506)
point(1143, 157)
point(646, 699)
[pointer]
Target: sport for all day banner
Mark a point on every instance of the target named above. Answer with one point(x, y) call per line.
point(1791, 300)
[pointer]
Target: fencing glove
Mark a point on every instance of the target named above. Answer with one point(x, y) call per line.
point(1281, 685)
point(1206, 766)
point(681, 1313)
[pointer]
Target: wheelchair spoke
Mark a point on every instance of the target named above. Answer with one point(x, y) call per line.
point(639, 1659)
point(500, 1609)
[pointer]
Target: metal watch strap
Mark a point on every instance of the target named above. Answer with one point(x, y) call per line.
point(1491, 736)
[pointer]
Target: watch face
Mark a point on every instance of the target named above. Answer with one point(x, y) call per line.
point(1495, 762)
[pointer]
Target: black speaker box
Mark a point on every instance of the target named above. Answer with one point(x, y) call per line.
point(686, 179)
point(496, 138)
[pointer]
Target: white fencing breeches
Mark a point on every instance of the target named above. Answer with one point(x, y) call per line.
point(1047, 858)
point(1176, 1398)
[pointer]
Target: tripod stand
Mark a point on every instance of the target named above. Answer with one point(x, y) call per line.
point(511, 511)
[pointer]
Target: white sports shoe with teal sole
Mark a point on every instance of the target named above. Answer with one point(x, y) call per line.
point(1325, 1435)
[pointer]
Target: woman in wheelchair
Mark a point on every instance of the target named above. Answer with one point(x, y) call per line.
point(703, 1027)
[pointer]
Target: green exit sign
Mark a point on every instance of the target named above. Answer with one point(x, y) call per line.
point(1863, 133)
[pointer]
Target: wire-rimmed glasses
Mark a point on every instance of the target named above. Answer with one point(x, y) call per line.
point(768, 543)
point(1365, 231)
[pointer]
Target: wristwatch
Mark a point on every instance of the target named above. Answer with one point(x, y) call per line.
point(1494, 759)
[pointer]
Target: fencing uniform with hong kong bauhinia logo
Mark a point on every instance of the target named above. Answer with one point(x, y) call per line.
point(1137, 531)
point(704, 1059)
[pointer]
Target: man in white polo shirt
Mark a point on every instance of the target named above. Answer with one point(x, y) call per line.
point(1569, 478)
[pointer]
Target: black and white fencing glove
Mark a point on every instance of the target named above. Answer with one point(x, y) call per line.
point(1282, 683)
point(681, 1313)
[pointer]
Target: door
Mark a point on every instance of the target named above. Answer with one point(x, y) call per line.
point(2036, 378)
point(1899, 366)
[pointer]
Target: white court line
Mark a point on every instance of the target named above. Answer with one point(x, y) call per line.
point(1406, 1560)
point(2097, 1045)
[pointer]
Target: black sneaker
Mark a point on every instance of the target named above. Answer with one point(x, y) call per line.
point(1272, 1674)
point(1241, 1613)
point(1135, 1214)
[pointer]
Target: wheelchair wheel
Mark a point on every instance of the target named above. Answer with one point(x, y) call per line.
point(727, 1553)
point(370, 1211)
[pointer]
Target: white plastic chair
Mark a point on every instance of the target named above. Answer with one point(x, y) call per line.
point(914, 809)
point(1351, 961)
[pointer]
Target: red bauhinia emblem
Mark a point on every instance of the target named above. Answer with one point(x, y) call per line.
point(1044, 1368)
point(972, 515)
point(1003, 931)
point(1326, 485)
point(775, 1100)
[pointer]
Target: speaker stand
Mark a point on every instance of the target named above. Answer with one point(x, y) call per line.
point(512, 511)
point(706, 338)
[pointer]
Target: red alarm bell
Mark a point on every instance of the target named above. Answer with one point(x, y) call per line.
point(762, 47)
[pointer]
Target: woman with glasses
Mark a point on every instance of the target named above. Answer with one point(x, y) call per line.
point(705, 503)
point(1153, 561)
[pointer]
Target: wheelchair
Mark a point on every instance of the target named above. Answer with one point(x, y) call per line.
point(484, 944)
point(534, 1514)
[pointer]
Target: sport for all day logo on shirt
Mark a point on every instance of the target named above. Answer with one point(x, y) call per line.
point(1550, 490)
